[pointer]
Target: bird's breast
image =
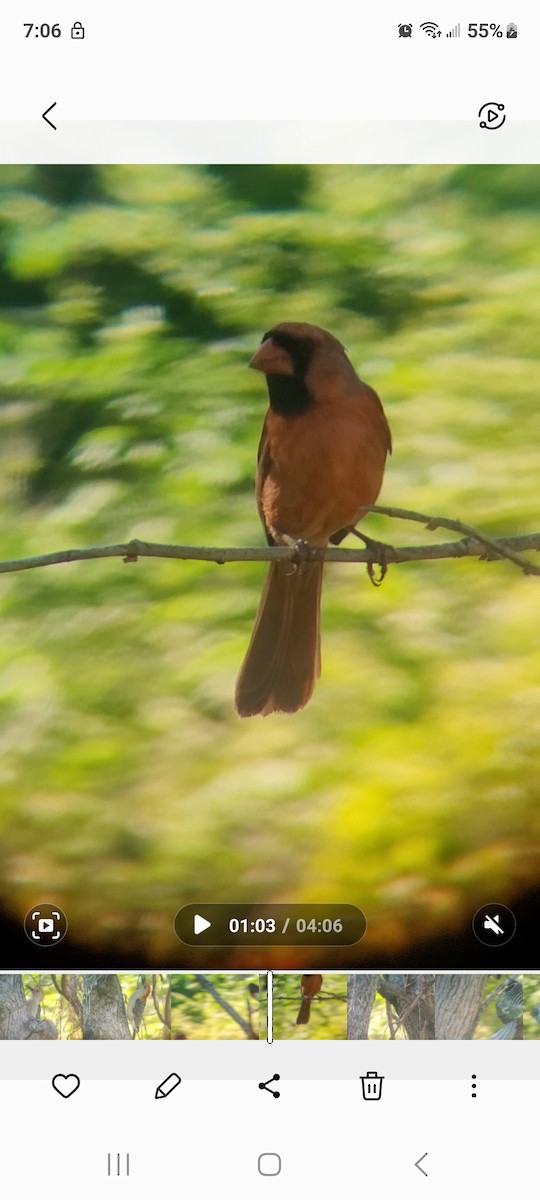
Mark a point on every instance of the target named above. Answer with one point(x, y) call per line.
point(321, 468)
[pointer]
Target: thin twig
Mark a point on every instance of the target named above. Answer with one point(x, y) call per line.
point(131, 551)
point(473, 545)
point(495, 548)
point(156, 979)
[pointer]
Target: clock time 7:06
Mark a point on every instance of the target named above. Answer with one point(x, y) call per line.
point(43, 31)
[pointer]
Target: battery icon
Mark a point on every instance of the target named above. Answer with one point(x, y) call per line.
point(511, 30)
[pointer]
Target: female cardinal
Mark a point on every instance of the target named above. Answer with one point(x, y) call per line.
point(309, 986)
point(321, 459)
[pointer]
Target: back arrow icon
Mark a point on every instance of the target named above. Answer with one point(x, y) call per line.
point(417, 1164)
point(45, 117)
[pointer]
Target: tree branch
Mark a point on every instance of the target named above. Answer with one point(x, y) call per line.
point(473, 545)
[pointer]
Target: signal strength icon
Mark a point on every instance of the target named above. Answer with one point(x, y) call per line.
point(431, 28)
point(455, 32)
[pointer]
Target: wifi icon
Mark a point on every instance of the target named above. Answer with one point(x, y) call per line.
point(431, 28)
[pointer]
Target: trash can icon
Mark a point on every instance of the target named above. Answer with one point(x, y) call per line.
point(372, 1085)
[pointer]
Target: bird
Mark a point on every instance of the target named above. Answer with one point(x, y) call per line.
point(393, 988)
point(34, 1002)
point(321, 459)
point(310, 985)
point(136, 1006)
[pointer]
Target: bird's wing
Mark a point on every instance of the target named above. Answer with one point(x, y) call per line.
point(264, 464)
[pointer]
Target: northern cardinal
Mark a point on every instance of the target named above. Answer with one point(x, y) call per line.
point(321, 458)
point(309, 986)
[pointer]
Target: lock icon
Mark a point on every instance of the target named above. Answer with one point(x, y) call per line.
point(77, 30)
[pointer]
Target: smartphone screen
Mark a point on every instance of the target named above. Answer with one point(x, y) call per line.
point(269, 579)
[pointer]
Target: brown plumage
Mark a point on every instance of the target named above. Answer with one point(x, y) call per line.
point(309, 986)
point(321, 458)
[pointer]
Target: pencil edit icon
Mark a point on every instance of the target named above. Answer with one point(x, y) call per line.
point(167, 1086)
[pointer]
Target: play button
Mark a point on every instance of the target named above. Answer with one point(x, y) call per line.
point(492, 116)
point(200, 924)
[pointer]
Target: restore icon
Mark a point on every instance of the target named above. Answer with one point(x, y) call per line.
point(492, 116)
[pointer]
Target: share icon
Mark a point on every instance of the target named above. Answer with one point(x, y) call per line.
point(264, 1087)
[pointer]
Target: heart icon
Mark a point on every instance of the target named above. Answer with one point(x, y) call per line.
point(66, 1085)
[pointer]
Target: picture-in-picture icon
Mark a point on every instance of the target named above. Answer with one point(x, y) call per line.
point(45, 925)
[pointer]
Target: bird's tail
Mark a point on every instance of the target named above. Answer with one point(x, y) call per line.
point(305, 1010)
point(284, 657)
point(506, 1033)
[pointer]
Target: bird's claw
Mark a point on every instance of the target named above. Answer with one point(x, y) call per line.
point(301, 551)
point(377, 578)
point(377, 557)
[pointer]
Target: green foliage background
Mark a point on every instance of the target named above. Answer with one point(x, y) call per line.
point(197, 1015)
point(131, 299)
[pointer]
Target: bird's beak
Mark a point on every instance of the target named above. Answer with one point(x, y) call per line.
point(271, 359)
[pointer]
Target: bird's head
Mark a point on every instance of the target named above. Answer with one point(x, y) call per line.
point(296, 359)
point(290, 349)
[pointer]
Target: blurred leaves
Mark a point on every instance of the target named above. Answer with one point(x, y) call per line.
point(197, 1014)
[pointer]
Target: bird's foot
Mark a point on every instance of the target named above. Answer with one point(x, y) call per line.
point(301, 548)
point(377, 557)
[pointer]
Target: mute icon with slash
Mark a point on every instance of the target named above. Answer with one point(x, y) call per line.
point(167, 1086)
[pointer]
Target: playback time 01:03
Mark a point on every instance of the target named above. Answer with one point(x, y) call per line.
point(301, 925)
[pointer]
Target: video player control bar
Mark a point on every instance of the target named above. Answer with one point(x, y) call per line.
point(273, 924)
